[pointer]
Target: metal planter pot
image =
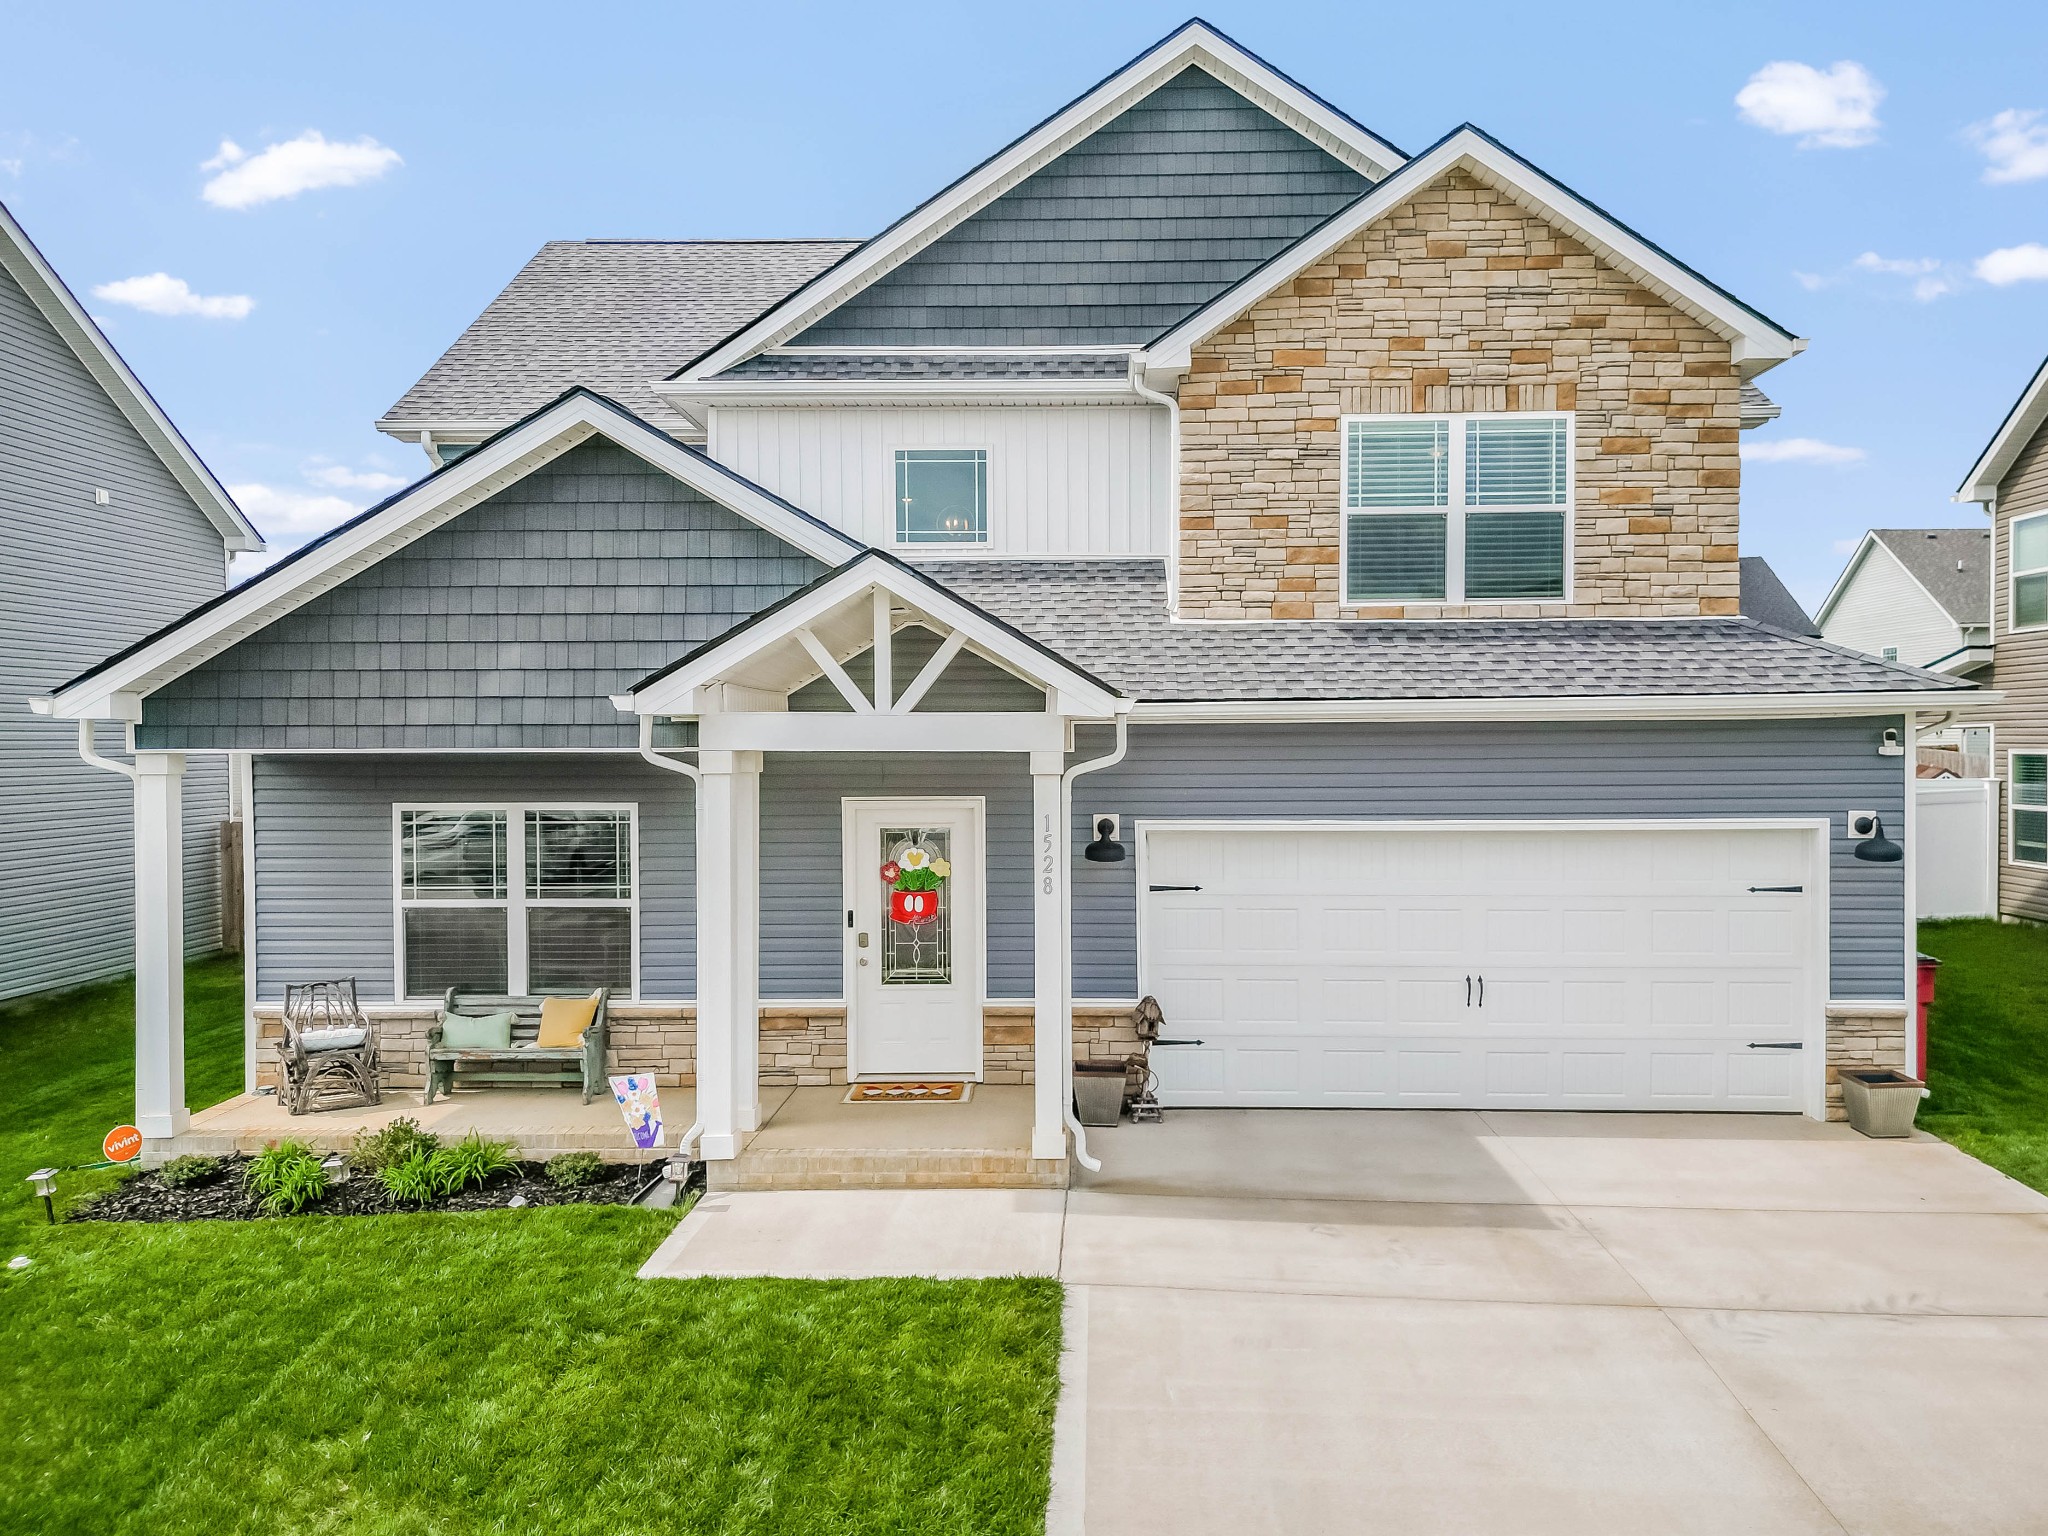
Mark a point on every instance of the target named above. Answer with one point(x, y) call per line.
point(1099, 1094)
point(1881, 1102)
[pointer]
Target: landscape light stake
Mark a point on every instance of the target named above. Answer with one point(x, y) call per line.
point(45, 1181)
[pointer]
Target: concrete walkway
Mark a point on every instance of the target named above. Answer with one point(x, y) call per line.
point(1450, 1322)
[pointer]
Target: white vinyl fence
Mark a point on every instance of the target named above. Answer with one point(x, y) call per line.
point(1956, 870)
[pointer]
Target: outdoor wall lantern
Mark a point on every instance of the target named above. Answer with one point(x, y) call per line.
point(1874, 847)
point(45, 1181)
point(1105, 849)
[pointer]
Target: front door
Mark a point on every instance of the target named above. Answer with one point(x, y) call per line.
point(914, 937)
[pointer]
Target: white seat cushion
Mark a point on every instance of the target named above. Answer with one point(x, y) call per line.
point(339, 1038)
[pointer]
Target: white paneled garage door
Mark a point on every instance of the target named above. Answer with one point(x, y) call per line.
point(1525, 966)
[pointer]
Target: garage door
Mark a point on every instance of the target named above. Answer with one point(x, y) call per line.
point(1534, 968)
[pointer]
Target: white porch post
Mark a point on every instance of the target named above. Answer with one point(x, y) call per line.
point(717, 981)
point(746, 828)
point(1051, 1066)
point(159, 944)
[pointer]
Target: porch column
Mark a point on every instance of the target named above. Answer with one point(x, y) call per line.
point(159, 944)
point(746, 829)
point(717, 951)
point(1052, 1064)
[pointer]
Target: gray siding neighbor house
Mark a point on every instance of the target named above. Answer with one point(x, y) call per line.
point(1203, 553)
point(111, 527)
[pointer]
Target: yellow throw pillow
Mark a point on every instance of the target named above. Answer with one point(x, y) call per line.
point(563, 1020)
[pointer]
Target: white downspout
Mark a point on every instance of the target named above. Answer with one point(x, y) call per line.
point(690, 771)
point(1172, 404)
point(88, 748)
point(1123, 741)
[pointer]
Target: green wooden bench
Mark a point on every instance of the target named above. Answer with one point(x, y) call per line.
point(582, 1064)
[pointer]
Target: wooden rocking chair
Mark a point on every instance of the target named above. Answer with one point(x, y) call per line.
point(329, 1048)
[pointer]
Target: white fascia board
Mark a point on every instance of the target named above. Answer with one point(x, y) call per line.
point(672, 693)
point(1753, 706)
point(445, 429)
point(438, 499)
point(2025, 418)
point(682, 395)
point(1841, 587)
point(48, 292)
point(1194, 44)
point(1755, 343)
point(1966, 659)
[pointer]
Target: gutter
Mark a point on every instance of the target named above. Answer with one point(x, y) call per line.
point(1729, 706)
point(1109, 760)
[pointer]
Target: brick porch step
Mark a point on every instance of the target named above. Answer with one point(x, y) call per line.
point(896, 1168)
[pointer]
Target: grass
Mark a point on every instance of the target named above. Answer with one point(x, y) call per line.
point(440, 1373)
point(1987, 1044)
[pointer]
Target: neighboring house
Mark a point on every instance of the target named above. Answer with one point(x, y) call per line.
point(1349, 536)
point(1917, 595)
point(2010, 479)
point(1767, 600)
point(111, 527)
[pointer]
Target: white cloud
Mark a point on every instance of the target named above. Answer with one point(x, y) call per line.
point(1901, 266)
point(2016, 144)
point(159, 293)
point(2014, 264)
point(340, 477)
point(304, 164)
point(284, 513)
point(1831, 109)
point(1800, 450)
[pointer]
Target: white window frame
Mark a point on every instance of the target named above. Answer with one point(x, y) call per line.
point(1455, 508)
point(2013, 574)
point(982, 545)
point(1888, 653)
point(2013, 807)
point(516, 900)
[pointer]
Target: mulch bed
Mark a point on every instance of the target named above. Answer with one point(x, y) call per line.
point(147, 1198)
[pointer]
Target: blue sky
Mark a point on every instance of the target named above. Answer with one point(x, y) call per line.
point(1854, 201)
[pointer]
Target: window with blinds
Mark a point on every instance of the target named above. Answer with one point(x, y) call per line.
point(2029, 560)
point(1457, 508)
point(2027, 808)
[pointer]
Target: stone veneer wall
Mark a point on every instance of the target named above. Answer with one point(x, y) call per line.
point(800, 1047)
point(1863, 1038)
point(1460, 300)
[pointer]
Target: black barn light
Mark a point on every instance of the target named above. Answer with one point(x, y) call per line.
point(1105, 849)
point(1877, 848)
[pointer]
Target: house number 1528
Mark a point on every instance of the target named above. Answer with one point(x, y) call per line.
point(1046, 865)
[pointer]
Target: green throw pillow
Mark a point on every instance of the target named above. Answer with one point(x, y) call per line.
point(468, 1032)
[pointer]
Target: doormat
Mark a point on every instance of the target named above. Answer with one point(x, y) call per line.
point(909, 1093)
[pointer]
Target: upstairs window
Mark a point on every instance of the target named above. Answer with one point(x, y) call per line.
point(1457, 508)
point(941, 496)
point(2029, 558)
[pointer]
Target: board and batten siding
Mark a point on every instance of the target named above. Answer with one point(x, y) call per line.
point(2020, 672)
point(1475, 771)
point(324, 850)
point(1883, 605)
point(78, 581)
point(1062, 479)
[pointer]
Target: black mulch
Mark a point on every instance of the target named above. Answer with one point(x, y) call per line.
point(147, 1198)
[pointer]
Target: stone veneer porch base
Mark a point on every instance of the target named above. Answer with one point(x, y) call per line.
point(1871, 1035)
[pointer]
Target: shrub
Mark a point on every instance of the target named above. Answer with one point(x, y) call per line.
point(375, 1150)
point(184, 1172)
point(286, 1177)
point(411, 1180)
point(471, 1163)
point(572, 1170)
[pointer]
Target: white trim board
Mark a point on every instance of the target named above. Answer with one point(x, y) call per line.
point(1196, 44)
point(2025, 418)
point(1756, 342)
point(50, 295)
point(115, 691)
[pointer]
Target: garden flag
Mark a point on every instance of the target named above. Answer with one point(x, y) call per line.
point(641, 1105)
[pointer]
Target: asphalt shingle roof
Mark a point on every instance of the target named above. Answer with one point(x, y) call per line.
point(1952, 563)
point(1065, 365)
point(611, 315)
point(1765, 599)
point(1109, 617)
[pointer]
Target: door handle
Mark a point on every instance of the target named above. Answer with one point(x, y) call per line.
point(1173, 887)
point(1468, 991)
point(1786, 888)
point(1482, 991)
point(1777, 1045)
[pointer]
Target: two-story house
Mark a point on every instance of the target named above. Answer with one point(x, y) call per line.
point(2010, 479)
point(111, 527)
point(1203, 552)
point(1917, 595)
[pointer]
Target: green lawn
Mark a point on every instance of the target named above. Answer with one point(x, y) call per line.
point(1987, 1044)
point(453, 1373)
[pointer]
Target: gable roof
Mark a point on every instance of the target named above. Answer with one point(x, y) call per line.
point(608, 315)
point(67, 317)
point(1757, 341)
point(1951, 565)
point(2026, 417)
point(1767, 600)
point(113, 688)
point(1194, 45)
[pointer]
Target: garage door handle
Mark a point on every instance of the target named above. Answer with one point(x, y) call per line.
point(1175, 887)
point(1787, 888)
point(1180, 1042)
point(1468, 991)
point(1777, 1045)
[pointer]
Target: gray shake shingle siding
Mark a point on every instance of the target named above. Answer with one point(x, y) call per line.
point(1128, 232)
point(79, 580)
point(509, 627)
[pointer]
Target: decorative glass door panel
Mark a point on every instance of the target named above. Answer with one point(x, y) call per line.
point(917, 933)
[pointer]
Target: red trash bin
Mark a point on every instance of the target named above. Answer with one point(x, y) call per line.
point(1928, 966)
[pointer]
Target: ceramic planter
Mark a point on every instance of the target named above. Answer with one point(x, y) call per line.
point(1880, 1102)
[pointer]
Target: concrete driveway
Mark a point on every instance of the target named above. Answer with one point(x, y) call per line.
point(1448, 1322)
